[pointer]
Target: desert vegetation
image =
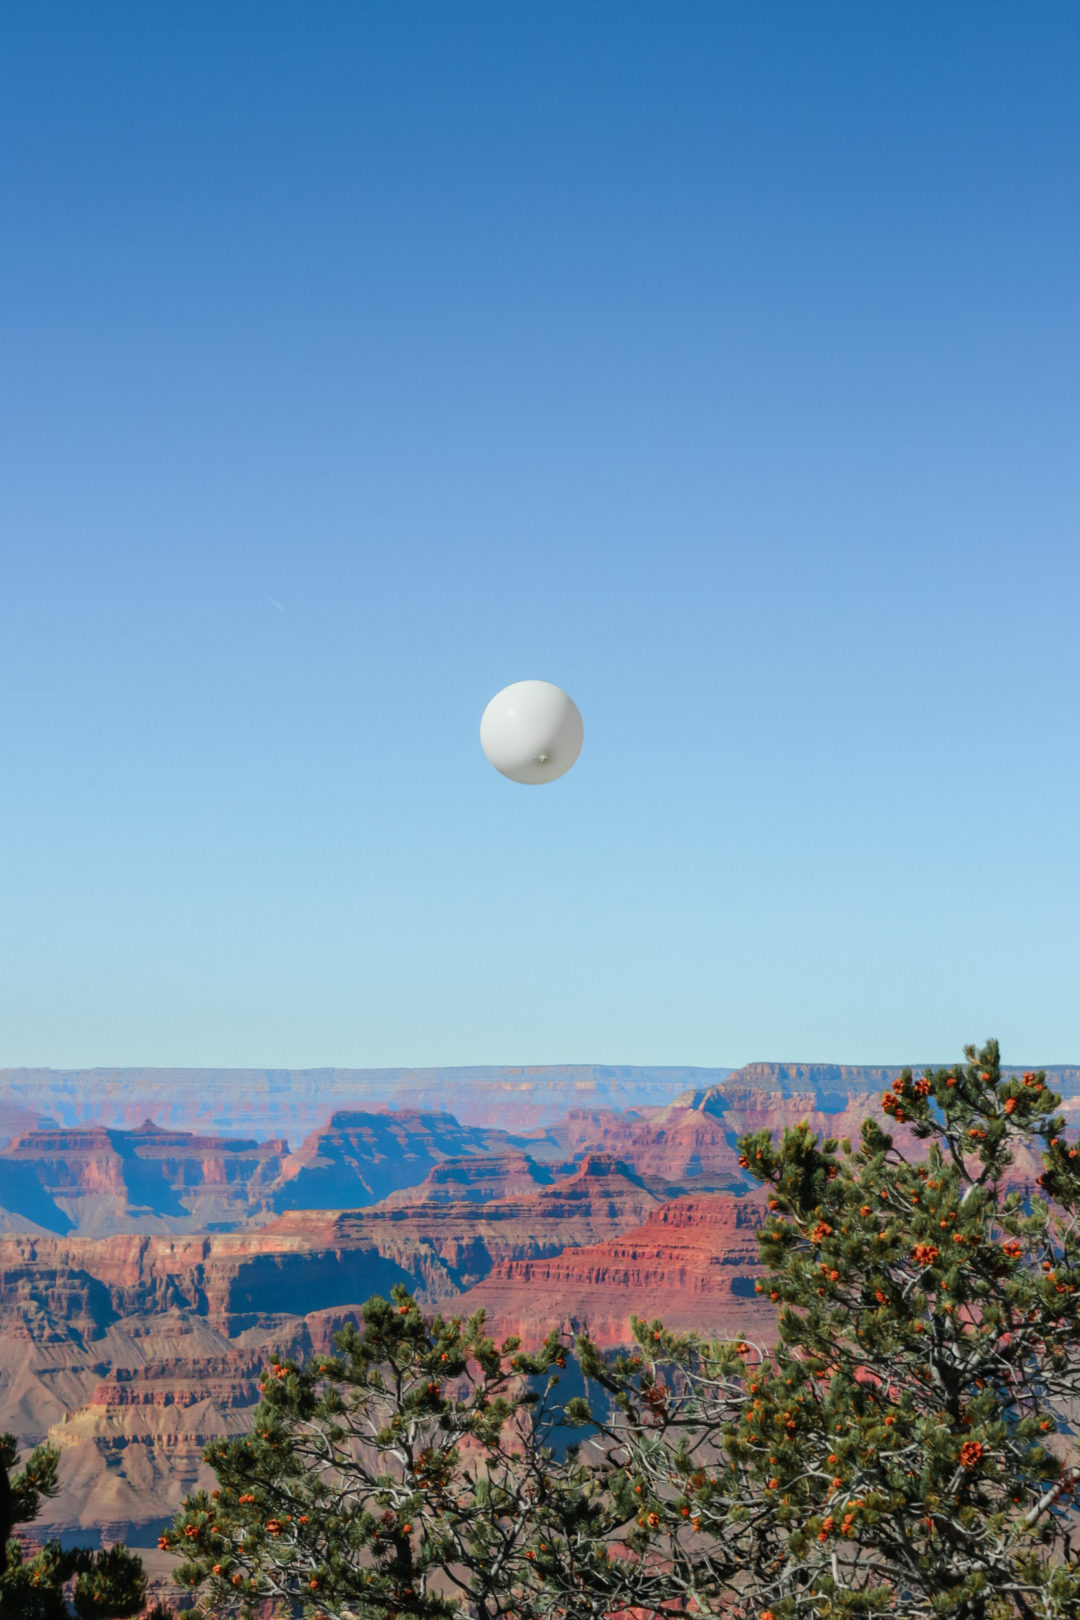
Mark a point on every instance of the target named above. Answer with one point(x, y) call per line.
point(53, 1580)
point(901, 1444)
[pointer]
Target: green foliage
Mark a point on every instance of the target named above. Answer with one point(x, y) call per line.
point(409, 1474)
point(903, 1446)
point(906, 1446)
point(21, 1496)
point(113, 1584)
point(908, 1423)
point(104, 1585)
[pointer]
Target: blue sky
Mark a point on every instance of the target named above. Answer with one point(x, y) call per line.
point(716, 361)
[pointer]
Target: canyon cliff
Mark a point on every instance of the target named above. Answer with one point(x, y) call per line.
point(147, 1272)
point(359, 1157)
point(132, 1351)
point(692, 1262)
point(96, 1180)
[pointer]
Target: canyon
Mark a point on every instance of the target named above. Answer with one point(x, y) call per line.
point(692, 1263)
point(148, 1269)
point(289, 1103)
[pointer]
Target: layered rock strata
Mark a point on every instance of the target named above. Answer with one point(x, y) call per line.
point(692, 1263)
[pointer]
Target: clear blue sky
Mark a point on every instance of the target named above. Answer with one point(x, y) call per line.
point(716, 361)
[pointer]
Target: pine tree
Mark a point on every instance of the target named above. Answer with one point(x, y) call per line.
point(409, 1474)
point(109, 1583)
point(906, 1447)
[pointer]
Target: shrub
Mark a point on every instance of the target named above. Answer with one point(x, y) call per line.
point(107, 1584)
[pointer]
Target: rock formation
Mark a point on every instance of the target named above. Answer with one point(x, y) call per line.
point(692, 1262)
point(98, 1180)
point(360, 1157)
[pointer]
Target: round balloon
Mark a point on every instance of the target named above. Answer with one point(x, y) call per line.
point(532, 732)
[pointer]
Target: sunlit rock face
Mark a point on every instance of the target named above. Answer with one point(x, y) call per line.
point(96, 1180)
point(359, 1157)
point(692, 1262)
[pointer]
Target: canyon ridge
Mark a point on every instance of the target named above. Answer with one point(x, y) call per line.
point(164, 1233)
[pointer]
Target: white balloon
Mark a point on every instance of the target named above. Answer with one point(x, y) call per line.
point(532, 732)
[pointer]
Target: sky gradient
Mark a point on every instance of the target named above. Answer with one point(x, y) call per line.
point(717, 362)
